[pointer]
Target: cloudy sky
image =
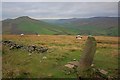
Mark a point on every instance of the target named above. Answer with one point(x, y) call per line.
point(58, 10)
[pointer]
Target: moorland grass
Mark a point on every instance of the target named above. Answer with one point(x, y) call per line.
point(61, 49)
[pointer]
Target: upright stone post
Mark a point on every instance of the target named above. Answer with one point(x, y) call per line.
point(87, 56)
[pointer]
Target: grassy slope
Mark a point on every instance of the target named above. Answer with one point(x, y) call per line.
point(28, 25)
point(42, 28)
point(94, 30)
point(62, 49)
point(35, 27)
point(94, 26)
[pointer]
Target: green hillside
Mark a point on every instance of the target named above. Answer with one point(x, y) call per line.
point(87, 26)
point(94, 26)
point(31, 26)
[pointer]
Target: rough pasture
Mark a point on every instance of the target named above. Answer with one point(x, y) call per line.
point(62, 49)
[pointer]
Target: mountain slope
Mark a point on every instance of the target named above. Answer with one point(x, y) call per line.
point(85, 26)
point(28, 25)
point(94, 26)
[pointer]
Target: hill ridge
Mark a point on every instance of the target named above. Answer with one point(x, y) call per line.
point(85, 26)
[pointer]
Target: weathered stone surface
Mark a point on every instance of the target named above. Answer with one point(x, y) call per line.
point(84, 67)
point(88, 53)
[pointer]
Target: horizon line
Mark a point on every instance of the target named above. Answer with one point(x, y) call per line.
point(59, 18)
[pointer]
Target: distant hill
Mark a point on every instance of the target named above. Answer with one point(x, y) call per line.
point(85, 26)
point(94, 26)
point(28, 25)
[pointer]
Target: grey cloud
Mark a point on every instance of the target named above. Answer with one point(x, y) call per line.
point(59, 9)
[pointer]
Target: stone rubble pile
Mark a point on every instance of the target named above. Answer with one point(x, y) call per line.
point(95, 72)
point(30, 48)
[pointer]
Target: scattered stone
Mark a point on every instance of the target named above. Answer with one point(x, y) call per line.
point(74, 59)
point(68, 73)
point(92, 65)
point(29, 54)
point(71, 66)
point(75, 63)
point(103, 72)
point(44, 57)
